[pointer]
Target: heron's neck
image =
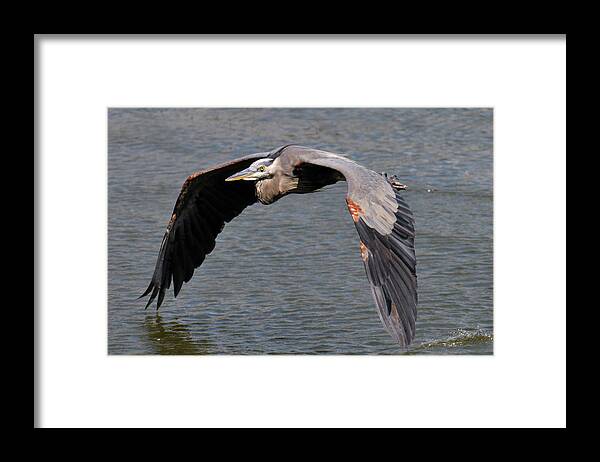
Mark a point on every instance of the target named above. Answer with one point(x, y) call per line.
point(267, 191)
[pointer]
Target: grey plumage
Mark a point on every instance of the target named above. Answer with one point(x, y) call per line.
point(383, 220)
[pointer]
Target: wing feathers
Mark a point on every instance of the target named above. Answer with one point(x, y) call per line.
point(382, 218)
point(386, 230)
point(391, 270)
point(206, 202)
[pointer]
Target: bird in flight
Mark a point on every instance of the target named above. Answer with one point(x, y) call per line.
point(210, 198)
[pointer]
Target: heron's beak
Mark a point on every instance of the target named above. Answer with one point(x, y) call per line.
point(248, 174)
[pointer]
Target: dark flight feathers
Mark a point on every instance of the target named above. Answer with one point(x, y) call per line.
point(387, 243)
point(206, 202)
point(390, 265)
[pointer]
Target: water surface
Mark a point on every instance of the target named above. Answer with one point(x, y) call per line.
point(288, 278)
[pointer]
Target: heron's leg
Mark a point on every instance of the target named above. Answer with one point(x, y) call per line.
point(394, 181)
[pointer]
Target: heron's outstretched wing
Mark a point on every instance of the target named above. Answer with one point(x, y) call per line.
point(386, 229)
point(206, 202)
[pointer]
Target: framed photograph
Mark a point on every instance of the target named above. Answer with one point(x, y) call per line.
point(290, 231)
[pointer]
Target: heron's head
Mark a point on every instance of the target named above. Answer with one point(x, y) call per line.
point(258, 170)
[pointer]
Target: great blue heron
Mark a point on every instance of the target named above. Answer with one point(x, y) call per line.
point(212, 197)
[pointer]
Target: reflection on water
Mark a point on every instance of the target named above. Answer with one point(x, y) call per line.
point(172, 337)
point(288, 278)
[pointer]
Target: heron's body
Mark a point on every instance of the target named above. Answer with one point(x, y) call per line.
point(385, 226)
point(292, 176)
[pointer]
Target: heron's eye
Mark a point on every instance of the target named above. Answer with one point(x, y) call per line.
point(261, 168)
